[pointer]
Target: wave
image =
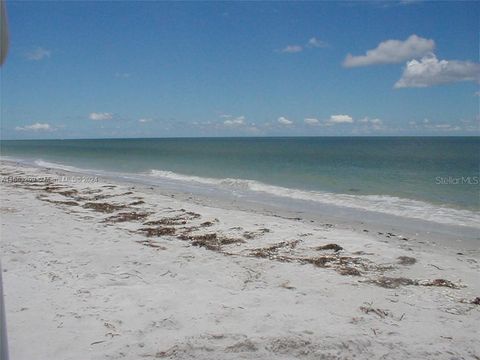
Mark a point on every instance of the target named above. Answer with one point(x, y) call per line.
point(46, 164)
point(386, 204)
point(378, 203)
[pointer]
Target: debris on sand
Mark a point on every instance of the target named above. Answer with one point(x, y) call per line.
point(103, 207)
point(193, 215)
point(286, 285)
point(69, 203)
point(377, 311)
point(51, 189)
point(271, 252)
point(210, 241)
point(253, 234)
point(439, 282)
point(333, 247)
point(320, 261)
point(344, 265)
point(393, 283)
point(158, 231)
point(127, 216)
point(68, 192)
point(476, 301)
point(139, 202)
point(406, 260)
point(171, 221)
point(347, 270)
point(152, 244)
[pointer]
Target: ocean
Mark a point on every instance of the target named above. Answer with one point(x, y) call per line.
point(432, 178)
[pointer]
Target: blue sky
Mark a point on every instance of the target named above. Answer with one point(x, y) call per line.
point(158, 69)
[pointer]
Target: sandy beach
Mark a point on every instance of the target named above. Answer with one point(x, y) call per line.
point(111, 270)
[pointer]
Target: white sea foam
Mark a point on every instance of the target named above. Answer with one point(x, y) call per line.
point(379, 203)
point(47, 164)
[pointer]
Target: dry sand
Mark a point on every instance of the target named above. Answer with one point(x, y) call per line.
point(107, 270)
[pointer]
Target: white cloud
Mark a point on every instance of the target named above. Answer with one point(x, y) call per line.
point(430, 71)
point(434, 126)
point(444, 127)
point(367, 120)
point(144, 120)
point(392, 51)
point(375, 123)
point(316, 43)
point(238, 121)
point(292, 49)
point(340, 119)
point(38, 54)
point(311, 121)
point(35, 127)
point(284, 121)
point(100, 116)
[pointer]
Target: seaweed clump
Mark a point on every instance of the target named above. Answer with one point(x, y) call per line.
point(127, 216)
point(333, 247)
point(406, 260)
point(103, 207)
point(158, 231)
point(393, 283)
point(210, 241)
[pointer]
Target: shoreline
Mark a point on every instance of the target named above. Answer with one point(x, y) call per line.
point(326, 203)
point(251, 281)
point(445, 235)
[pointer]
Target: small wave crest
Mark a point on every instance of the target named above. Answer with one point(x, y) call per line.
point(378, 203)
point(47, 164)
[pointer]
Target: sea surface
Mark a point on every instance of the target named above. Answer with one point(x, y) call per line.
point(431, 178)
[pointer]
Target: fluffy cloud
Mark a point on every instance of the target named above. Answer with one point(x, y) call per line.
point(38, 54)
point(367, 120)
point(316, 43)
point(35, 127)
point(340, 119)
point(430, 71)
point(238, 121)
point(392, 51)
point(100, 116)
point(292, 49)
point(311, 121)
point(284, 121)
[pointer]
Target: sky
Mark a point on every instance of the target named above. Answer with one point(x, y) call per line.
point(97, 69)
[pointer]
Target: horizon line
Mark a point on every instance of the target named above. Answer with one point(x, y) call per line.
point(248, 137)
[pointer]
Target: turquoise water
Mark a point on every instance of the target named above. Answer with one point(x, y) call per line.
point(441, 171)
